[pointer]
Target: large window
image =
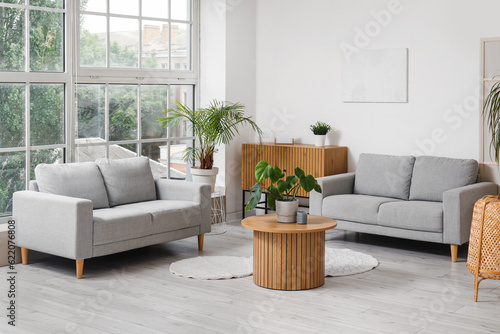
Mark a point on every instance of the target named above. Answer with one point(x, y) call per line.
point(80, 80)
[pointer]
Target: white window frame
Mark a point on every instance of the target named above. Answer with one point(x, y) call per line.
point(74, 74)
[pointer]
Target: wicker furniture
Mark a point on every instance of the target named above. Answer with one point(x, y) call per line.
point(288, 256)
point(483, 260)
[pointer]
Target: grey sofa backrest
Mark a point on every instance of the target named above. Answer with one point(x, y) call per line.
point(432, 176)
point(384, 175)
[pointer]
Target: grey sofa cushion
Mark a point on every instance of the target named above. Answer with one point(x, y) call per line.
point(127, 180)
point(384, 175)
point(136, 220)
point(412, 215)
point(432, 176)
point(357, 208)
point(81, 180)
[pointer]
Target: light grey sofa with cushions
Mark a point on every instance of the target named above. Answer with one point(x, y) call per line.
point(85, 210)
point(424, 198)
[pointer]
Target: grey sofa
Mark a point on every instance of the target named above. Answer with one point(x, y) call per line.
point(84, 210)
point(425, 198)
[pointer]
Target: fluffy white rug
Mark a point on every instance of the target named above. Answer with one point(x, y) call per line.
point(343, 262)
point(213, 267)
point(338, 262)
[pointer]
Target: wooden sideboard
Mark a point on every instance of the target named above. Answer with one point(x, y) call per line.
point(315, 160)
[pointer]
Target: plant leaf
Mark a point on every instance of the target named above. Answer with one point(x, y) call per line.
point(262, 170)
point(299, 172)
point(317, 188)
point(308, 182)
point(275, 174)
point(272, 195)
point(255, 195)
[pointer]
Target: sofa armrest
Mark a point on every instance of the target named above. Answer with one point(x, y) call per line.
point(458, 205)
point(330, 185)
point(54, 224)
point(187, 191)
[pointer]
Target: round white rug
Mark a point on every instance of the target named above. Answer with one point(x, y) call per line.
point(213, 267)
point(338, 262)
point(343, 262)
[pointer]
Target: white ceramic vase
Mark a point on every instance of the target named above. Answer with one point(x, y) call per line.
point(287, 211)
point(205, 175)
point(320, 140)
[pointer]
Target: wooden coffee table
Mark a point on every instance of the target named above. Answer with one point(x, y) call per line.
point(288, 256)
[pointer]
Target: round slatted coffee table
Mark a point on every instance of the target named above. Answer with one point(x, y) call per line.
point(288, 256)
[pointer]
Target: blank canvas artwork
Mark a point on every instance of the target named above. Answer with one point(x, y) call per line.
point(376, 76)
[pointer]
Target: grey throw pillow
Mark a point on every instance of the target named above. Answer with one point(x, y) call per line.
point(384, 175)
point(127, 180)
point(81, 180)
point(432, 176)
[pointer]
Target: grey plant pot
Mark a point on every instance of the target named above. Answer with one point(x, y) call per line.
point(287, 211)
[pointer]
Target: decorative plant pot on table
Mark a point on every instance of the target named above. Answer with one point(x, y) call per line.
point(282, 191)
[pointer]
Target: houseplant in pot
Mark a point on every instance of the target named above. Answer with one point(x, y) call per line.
point(320, 129)
point(215, 125)
point(491, 110)
point(282, 191)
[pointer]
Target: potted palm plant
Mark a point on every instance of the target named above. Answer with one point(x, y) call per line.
point(215, 125)
point(282, 191)
point(320, 129)
point(491, 110)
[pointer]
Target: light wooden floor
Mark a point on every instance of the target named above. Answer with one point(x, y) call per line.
point(415, 289)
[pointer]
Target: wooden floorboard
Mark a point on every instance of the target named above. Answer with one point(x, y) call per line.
point(415, 289)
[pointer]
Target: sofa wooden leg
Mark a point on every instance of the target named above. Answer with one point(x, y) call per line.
point(200, 241)
point(24, 255)
point(79, 268)
point(454, 252)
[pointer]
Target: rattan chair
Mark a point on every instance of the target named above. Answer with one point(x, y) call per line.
point(483, 260)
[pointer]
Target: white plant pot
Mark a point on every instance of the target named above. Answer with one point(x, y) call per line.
point(287, 211)
point(320, 140)
point(205, 175)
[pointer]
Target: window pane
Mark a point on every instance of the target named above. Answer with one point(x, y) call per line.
point(155, 8)
point(155, 44)
point(124, 36)
point(12, 42)
point(12, 178)
point(47, 114)
point(12, 115)
point(157, 153)
point(122, 112)
point(48, 3)
point(122, 151)
point(93, 40)
point(181, 9)
point(183, 93)
point(127, 7)
point(46, 41)
point(178, 167)
point(153, 105)
point(91, 102)
point(51, 156)
point(93, 6)
point(181, 51)
point(89, 153)
point(20, 2)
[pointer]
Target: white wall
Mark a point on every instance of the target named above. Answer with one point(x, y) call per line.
point(299, 72)
point(228, 73)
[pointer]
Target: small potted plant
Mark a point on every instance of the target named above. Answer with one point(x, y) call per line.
point(282, 191)
point(215, 125)
point(320, 129)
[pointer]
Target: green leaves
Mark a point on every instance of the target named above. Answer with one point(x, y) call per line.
point(492, 110)
point(255, 195)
